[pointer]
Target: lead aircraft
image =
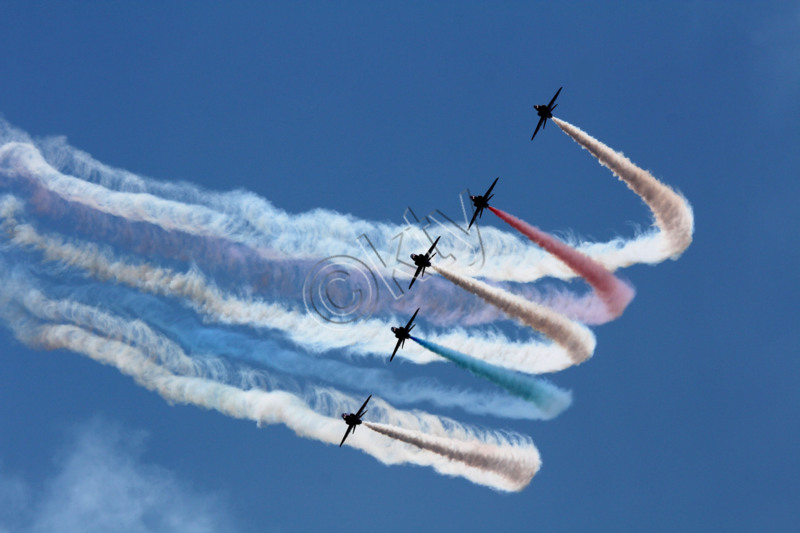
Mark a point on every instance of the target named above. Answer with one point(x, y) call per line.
point(545, 112)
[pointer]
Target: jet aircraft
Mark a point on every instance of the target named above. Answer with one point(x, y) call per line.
point(402, 333)
point(353, 419)
point(423, 262)
point(481, 203)
point(545, 112)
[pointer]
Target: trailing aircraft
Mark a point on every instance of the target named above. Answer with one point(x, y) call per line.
point(353, 419)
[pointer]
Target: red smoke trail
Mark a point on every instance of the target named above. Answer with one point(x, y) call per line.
point(615, 293)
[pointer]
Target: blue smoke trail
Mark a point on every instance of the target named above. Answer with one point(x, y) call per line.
point(182, 325)
point(541, 393)
point(500, 460)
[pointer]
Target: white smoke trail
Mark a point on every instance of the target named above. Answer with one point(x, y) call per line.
point(208, 298)
point(272, 233)
point(24, 162)
point(484, 458)
point(366, 337)
point(672, 212)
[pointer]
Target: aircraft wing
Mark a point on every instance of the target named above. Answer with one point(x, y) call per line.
point(490, 188)
point(361, 411)
point(474, 216)
point(537, 127)
point(412, 319)
point(396, 347)
point(550, 105)
point(433, 245)
point(419, 269)
point(346, 433)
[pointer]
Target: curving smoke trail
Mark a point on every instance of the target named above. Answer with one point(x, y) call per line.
point(576, 342)
point(265, 231)
point(243, 234)
point(672, 212)
point(543, 394)
point(612, 291)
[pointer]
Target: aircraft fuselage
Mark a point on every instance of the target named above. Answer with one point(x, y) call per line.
point(400, 333)
point(351, 419)
point(543, 111)
point(480, 202)
point(421, 260)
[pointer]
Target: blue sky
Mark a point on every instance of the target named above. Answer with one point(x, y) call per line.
point(685, 418)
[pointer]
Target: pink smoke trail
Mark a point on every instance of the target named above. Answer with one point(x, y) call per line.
point(615, 293)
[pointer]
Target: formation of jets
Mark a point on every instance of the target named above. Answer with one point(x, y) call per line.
point(480, 202)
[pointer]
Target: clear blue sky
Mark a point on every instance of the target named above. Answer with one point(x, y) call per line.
point(685, 419)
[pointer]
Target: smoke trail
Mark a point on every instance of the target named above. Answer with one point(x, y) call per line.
point(516, 472)
point(364, 337)
point(486, 465)
point(577, 341)
point(267, 354)
point(176, 228)
point(247, 220)
point(491, 462)
point(615, 294)
point(233, 344)
point(543, 394)
point(234, 236)
point(672, 212)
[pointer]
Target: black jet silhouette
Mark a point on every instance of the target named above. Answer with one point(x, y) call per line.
point(481, 203)
point(422, 262)
point(545, 112)
point(402, 333)
point(352, 420)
